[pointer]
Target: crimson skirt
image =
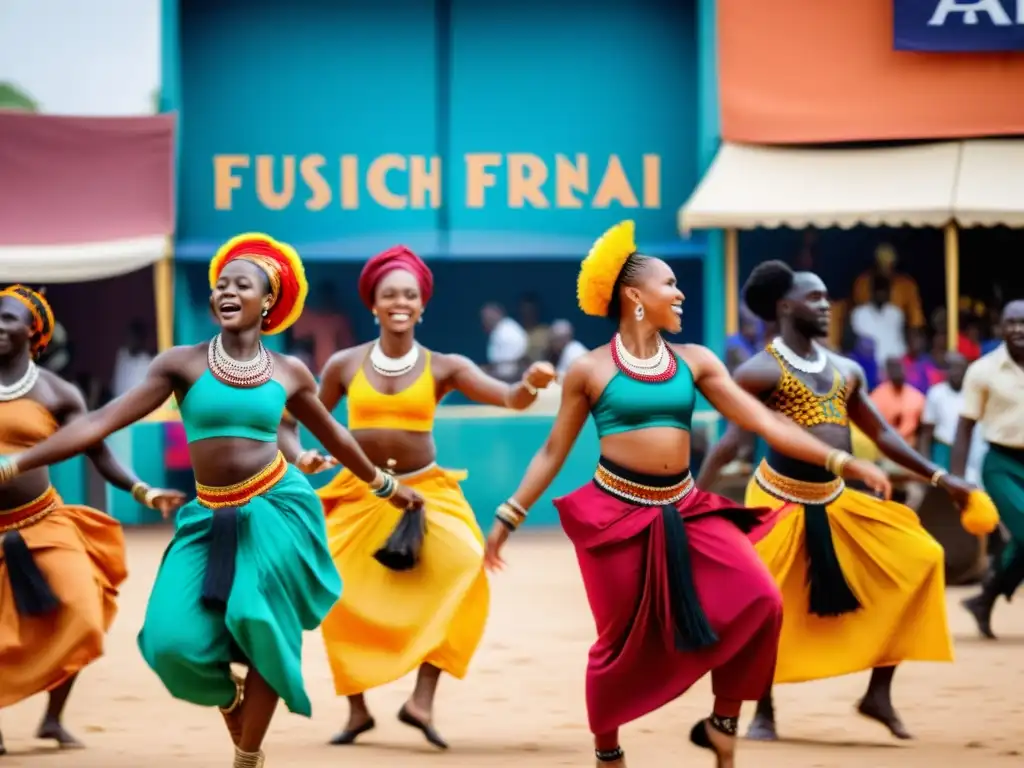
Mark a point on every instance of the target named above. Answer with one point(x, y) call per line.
point(676, 590)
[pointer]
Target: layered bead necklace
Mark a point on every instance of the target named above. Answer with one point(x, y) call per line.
point(240, 373)
point(22, 386)
point(662, 366)
point(393, 366)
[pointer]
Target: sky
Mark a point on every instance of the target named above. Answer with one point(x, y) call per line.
point(82, 57)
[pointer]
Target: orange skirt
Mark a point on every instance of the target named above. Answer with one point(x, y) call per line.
point(81, 553)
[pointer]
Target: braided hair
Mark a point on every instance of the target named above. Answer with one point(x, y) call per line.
point(767, 285)
point(628, 275)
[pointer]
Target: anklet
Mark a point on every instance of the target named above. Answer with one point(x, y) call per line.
point(726, 725)
point(609, 755)
point(239, 695)
point(248, 759)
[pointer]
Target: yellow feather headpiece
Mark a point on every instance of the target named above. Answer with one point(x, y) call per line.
point(601, 268)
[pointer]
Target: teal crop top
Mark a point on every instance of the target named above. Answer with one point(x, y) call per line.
point(212, 408)
point(627, 404)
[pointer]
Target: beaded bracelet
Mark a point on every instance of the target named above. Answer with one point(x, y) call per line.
point(8, 469)
point(836, 461)
point(388, 487)
point(511, 514)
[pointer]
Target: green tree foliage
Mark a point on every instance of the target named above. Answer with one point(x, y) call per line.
point(12, 97)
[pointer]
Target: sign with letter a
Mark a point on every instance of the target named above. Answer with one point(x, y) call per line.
point(958, 25)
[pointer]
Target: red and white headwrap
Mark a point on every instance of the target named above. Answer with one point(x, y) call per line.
point(398, 257)
point(283, 268)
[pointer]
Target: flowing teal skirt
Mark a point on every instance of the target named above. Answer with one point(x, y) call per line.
point(285, 583)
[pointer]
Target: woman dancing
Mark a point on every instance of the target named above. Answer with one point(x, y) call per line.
point(248, 568)
point(674, 584)
point(60, 564)
point(430, 618)
point(876, 578)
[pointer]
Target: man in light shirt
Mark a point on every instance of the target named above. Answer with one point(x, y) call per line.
point(881, 321)
point(507, 343)
point(565, 348)
point(994, 398)
point(942, 406)
point(132, 359)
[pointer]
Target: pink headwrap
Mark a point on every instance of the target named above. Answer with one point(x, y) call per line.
point(398, 257)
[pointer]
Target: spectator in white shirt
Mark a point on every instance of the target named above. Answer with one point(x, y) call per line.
point(132, 359)
point(564, 346)
point(507, 343)
point(942, 407)
point(882, 322)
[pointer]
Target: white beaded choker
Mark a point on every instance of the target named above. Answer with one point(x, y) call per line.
point(393, 366)
point(22, 386)
point(816, 364)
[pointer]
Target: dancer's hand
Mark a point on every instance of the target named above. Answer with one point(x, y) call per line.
point(539, 375)
point(312, 461)
point(406, 498)
point(871, 475)
point(958, 489)
point(164, 500)
point(495, 541)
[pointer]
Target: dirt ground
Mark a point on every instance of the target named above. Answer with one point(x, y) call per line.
point(522, 703)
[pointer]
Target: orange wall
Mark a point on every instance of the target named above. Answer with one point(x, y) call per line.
point(806, 71)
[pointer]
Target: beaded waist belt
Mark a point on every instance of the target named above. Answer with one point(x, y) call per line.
point(242, 493)
point(797, 491)
point(643, 490)
point(30, 513)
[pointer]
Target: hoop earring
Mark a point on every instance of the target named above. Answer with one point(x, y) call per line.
point(639, 312)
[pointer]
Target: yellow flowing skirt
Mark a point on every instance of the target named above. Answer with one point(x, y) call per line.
point(893, 566)
point(387, 623)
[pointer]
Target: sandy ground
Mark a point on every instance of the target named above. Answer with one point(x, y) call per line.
point(522, 703)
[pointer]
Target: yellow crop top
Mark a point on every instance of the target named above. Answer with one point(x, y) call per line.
point(410, 410)
point(797, 401)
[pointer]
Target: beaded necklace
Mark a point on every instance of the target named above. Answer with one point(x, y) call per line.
point(393, 366)
point(240, 373)
point(662, 366)
point(22, 386)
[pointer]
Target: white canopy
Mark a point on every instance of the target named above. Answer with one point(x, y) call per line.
point(978, 182)
point(990, 187)
point(72, 263)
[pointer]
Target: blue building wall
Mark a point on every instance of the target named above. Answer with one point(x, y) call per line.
point(613, 88)
point(526, 81)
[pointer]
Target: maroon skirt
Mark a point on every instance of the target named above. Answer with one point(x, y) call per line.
point(676, 589)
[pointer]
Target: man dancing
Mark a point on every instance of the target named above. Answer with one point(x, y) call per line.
point(994, 397)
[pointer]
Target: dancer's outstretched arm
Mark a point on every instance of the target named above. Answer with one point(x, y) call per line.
point(864, 414)
point(134, 405)
point(546, 463)
point(468, 378)
point(749, 413)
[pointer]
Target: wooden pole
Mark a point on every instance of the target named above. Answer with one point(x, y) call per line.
point(952, 287)
point(163, 291)
point(732, 282)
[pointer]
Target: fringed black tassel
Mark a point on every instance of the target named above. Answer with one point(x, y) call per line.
point(401, 551)
point(830, 595)
point(32, 593)
point(220, 566)
point(692, 629)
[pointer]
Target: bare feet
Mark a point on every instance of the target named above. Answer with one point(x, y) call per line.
point(883, 712)
point(980, 608)
point(358, 724)
point(762, 728)
point(52, 729)
point(422, 721)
